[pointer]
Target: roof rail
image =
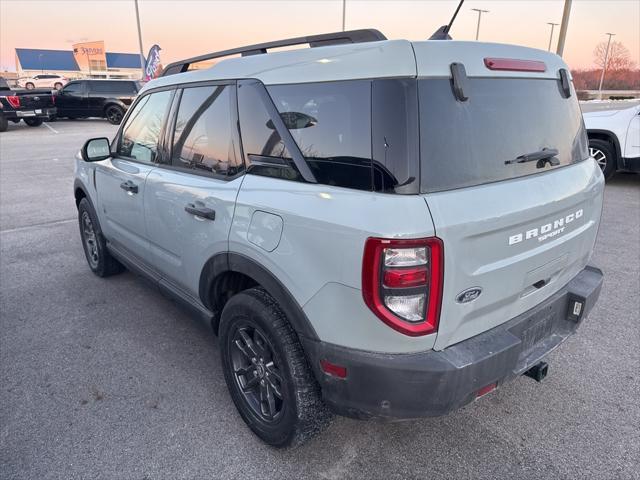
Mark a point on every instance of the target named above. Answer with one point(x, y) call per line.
point(322, 40)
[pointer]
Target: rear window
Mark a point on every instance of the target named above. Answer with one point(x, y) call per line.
point(113, 87)
point(467, 143)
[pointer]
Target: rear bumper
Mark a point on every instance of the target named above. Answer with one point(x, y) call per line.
point(396, 386)
point(33, 113)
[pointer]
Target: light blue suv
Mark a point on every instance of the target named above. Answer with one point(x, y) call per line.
point(378, 228)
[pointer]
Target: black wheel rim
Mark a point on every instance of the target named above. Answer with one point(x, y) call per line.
point(90, 240)
point(114, 115)
point(256, 373)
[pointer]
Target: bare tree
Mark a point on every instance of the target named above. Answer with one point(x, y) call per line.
point(619, 57)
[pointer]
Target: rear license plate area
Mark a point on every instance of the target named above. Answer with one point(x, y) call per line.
point(539, 329)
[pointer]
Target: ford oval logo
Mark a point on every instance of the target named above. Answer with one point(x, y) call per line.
point(469, 295)
point(36, 99)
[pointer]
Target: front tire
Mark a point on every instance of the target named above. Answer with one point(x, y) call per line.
point(57, 86)
point(33, 122)
point(603, 153)
point(267, 373)
point(114, 114)
point(95, 247)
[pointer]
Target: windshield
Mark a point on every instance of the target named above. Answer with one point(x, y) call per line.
point(477, 141)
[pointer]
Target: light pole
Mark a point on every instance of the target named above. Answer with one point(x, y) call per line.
point(480, 12)
point(344, 12)
point(604, 67)
point(139, 38)
point(553, 25)
point(564, 25)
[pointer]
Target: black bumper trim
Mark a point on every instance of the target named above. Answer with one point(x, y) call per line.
point(396, 386)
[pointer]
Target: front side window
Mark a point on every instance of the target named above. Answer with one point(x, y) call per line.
point(140, 134)
point(203, 138)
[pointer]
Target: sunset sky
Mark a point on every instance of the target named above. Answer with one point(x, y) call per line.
point(191, 27)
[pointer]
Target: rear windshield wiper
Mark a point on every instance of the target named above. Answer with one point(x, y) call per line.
point(544, 156)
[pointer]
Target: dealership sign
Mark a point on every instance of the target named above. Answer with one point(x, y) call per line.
point(90, 55)
point(153, 67)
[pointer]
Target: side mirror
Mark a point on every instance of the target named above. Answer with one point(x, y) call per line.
point(96, 149)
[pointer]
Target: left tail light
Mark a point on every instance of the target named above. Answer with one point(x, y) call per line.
point(402, 282)
point(14, 101)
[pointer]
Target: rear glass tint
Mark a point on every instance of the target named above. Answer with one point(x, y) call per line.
point(115, 87)
point(467, 143)
point(331, 124)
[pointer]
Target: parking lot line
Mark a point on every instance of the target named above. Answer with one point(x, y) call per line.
point(50, 127)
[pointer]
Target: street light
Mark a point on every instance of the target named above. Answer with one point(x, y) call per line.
point(480, 12)
point(604, 67)
point(142, 62)
point(344, 11)
point(553, 25)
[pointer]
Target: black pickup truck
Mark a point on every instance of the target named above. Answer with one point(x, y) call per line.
point(32, 107)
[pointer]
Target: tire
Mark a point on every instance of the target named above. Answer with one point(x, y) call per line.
point(57, 85)
point(29, 86)
point(604, 153)
point(95, 247)
point(114, 114)
point(262, 354)
point(33, 122)
point(4, 123)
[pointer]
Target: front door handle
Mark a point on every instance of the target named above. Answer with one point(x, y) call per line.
point(200, 211)
point(129, 187)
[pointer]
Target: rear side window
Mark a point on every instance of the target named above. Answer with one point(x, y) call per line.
point(140, 133)
point(331, 124)
point(203, 138)
point(467, 143)
point(75, 88)
point(112, 87)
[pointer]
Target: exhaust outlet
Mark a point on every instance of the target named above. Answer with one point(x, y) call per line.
point(538, 371)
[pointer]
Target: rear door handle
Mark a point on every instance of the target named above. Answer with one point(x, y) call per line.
point(129, 187)
point(200, 211)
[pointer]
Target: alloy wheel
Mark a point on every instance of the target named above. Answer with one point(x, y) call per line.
point(599, 157)
point(114, 115)
point(255, 372)
point(90, 240)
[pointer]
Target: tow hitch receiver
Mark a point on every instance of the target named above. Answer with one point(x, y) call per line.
point(538, 371)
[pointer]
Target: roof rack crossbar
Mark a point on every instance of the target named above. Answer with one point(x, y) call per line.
point(322, 40)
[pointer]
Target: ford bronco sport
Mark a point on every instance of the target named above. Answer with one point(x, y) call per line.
point(378, 228)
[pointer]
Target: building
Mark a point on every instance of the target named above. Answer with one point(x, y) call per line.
point(78, 63)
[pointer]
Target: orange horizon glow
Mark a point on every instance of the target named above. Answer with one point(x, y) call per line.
point(193, 27)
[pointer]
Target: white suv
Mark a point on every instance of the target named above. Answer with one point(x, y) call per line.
point(378, 228)
point(43, 81)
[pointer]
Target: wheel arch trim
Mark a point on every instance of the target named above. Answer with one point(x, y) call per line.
point(613, 138)
point(234, 262)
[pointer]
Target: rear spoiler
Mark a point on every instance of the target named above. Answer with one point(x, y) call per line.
point(322, 40)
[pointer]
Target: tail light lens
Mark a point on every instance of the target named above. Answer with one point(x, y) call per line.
point(14, 101)
point(402, 282)
point(515, 65)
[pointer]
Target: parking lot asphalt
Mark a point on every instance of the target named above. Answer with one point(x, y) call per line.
point(106, 378)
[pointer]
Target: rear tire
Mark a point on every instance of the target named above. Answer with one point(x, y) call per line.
point(95, 247)
point(57, 86)
point(29, 86)
point(267, 373)
point(114, 114)
point(4, 123)
point(603, 153)
point(33, 122)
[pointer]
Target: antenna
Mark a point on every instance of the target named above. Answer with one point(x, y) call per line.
point(443, 32)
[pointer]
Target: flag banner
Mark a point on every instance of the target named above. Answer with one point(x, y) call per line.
point(153, 67)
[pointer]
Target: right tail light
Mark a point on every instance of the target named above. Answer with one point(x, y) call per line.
point(14, 101)
point(402, 282)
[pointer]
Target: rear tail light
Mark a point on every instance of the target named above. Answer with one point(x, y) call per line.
point(402, 282)
point(14, 101)
point(515, 65)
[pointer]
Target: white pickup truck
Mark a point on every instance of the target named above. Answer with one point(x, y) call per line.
point(614, 139)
